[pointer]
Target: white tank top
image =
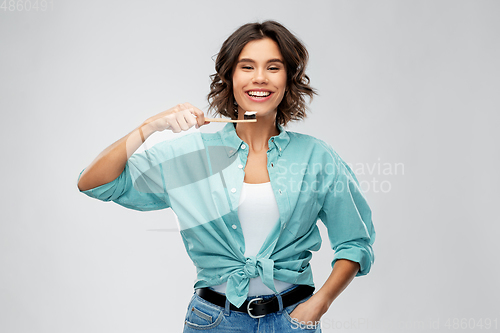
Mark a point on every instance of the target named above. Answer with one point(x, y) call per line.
point(258, 213)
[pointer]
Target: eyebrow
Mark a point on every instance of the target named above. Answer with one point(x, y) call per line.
point(253, 61)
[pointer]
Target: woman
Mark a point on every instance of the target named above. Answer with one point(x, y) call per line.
point(247, 197)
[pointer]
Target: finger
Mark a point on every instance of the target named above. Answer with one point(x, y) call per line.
point(182, 121)
point(174, 125)
point(182, 106)
point(188, 105)
point(190, 118)
point(200, 116)
point(201, 119)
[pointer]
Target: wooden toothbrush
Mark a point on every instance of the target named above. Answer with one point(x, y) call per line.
point(250, 117)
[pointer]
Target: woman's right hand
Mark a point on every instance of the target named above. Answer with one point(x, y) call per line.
point(179, 118)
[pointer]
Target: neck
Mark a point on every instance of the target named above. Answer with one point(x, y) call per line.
point(257, 134)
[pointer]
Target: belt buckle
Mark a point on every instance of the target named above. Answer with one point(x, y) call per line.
point(249, 308)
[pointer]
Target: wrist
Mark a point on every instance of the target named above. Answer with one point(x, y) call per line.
point(145, 130)
point(322, 301)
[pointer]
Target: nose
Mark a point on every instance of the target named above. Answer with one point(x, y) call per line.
point(260, 76)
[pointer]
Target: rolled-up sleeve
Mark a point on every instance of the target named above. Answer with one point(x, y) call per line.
point(141, 186)
point(348, 218)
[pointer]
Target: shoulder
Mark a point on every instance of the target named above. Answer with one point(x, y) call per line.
point(320, 147)
point(321, 152)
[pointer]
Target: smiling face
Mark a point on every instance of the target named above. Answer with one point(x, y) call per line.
point(259, 78)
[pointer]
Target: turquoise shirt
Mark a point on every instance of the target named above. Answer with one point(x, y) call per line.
point(200, 177)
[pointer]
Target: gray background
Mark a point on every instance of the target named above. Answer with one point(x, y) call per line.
point(411, 86)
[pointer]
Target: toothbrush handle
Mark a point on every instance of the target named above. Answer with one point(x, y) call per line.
point(225, 120)
point(222, 120)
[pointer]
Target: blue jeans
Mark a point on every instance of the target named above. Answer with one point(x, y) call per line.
point(202, 316)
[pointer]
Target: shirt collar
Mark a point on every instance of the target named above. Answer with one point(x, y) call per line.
point(232, 141)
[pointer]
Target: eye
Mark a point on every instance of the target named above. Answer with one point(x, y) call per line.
point(274, 68)
point(246, 67)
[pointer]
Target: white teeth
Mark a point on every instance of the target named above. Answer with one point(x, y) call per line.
point(259, 93)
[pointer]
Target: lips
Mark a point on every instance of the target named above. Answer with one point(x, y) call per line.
point(258, 96)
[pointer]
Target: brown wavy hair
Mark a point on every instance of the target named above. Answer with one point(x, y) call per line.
point(293, 106)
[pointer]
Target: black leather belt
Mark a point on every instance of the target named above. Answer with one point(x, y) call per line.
point(258, 307)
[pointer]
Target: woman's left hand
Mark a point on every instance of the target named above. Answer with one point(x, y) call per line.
point(309, 312)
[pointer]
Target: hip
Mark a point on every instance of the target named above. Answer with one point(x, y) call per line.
point(203, 315)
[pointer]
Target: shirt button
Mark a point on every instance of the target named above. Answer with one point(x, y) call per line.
point(272, 165)
point(279, 191)
point(233, 190)
point(280, 148)
point(272, 140)
point(240, 166)
point(234, 226)
point(243, 146)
